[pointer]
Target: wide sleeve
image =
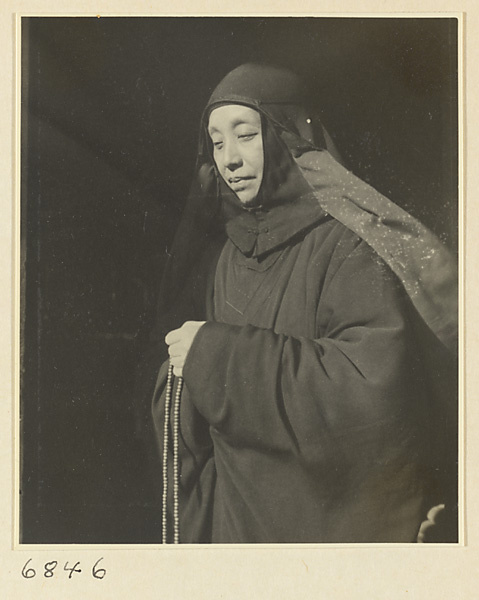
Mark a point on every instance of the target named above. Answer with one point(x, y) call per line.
point(354, 387)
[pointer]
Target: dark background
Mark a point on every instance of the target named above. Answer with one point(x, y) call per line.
point(110, 114)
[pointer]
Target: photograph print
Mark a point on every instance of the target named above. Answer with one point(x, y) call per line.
point(239, 280)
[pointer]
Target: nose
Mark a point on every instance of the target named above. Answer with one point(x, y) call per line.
point(232, 156)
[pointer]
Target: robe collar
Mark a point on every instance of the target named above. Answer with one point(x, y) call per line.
point(259, 231)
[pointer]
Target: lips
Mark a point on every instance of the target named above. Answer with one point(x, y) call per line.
point(233, 180)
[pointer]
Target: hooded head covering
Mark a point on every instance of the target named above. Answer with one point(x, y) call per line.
point(281, 97)
point(301, 161)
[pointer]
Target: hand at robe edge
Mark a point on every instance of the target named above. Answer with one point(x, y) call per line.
point(179, 343)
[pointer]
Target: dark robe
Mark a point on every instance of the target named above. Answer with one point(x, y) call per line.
point(304, 410)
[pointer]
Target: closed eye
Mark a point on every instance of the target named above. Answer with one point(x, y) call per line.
point(247, 136)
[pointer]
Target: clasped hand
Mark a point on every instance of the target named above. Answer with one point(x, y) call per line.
point(179, 343)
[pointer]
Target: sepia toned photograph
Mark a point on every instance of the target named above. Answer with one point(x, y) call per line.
point(239, 280)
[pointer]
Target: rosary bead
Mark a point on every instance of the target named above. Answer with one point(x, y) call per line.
point(176, 469)
point(164, 521)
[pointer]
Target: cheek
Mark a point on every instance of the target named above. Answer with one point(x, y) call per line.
point(257, 160)
point(258, 155)
point(253, 154)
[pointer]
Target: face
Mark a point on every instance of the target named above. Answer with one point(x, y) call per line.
point(235, 132)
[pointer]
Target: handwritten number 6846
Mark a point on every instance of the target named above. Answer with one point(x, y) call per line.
point(29, 572)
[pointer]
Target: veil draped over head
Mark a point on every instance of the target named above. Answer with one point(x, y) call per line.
point(301, 160)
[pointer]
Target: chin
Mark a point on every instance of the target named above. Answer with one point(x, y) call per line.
point(248, 199)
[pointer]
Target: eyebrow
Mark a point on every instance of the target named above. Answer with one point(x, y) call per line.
point(234, 124)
